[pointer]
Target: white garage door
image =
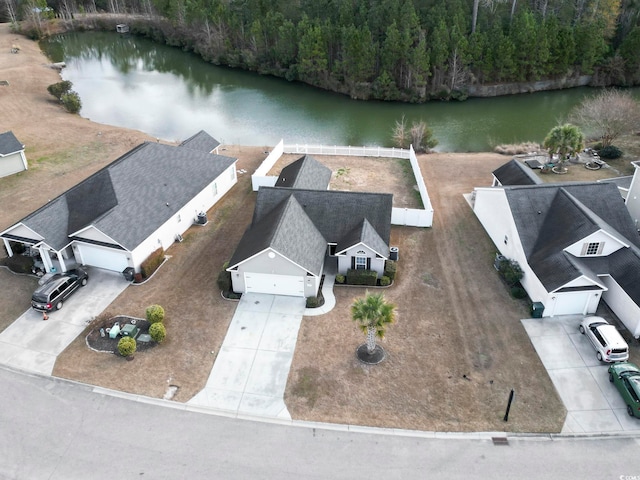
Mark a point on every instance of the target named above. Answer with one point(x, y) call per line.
point(103, 257)
point(570, 303)
point(291, 285)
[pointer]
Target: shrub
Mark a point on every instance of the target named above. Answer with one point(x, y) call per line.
point(151, 264)
point(155, 313)
point(158, 332)
point(390, 268)
point(224, 278)
point(610, 152)
point(18, 263)
point(59, 89)
point(340, 278)
point(127, 346)
point(71, 102)
point(385, 281)
point(362, 277)
point(312, 302)
point(518, 292)
point(510, 271)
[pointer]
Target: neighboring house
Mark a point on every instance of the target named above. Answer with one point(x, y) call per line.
point(575, 243)
point(12, 158)
point(632, 195)
point(514, 173)
point(117, 217)
point(202, 142)
point(294, 231)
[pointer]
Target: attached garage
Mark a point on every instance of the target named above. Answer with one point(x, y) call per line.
point(570, 303)
point(101, 257)
point(291, 285)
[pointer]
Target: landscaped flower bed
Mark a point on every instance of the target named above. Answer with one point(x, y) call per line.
point(103, 343)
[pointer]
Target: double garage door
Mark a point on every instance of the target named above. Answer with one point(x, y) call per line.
point(292, 285)
point(102, 257)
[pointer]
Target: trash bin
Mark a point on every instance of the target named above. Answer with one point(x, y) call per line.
point(128, 274)
point(536, 309)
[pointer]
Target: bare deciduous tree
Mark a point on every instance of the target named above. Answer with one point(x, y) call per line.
point(608, 115)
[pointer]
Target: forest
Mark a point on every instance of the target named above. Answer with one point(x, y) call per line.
point(397, 50)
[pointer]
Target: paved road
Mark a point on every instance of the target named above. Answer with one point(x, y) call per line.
point(54, 429)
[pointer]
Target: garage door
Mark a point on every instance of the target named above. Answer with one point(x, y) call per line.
point(291, 285)
point(570, 303)
point(102, 257)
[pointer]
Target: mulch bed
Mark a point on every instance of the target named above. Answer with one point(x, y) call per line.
point(100, 343)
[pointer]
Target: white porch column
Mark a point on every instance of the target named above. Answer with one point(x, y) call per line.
point(63, 267)
point(8, 247)
point(46, 259)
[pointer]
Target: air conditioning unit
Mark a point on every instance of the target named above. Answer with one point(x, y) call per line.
point(179, 237)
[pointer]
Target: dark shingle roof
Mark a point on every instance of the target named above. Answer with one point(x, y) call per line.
point(337, 217)
point(202, 142)
point(305, 173)
point(516, 173)
point(551, 217)
point(131, 197)
point(9, 143)
point(288, 231)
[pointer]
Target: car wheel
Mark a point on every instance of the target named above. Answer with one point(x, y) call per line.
point(58, 305)
point(83, 282)
point(630, 410)
point(581, 328)
point(611, 377)
point(599, 356)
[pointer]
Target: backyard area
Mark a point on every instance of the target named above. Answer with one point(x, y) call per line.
point(458, 346)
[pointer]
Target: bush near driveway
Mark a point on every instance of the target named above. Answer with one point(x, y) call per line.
point(155, 313)
point(127, 346)
point(158, 332)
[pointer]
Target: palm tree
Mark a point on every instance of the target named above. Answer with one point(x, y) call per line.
point(564, 140)
point(373, 314)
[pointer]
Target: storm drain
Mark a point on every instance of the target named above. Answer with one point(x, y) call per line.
point(500, 440)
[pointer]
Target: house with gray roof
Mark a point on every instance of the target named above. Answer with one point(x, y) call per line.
point(12, 157)
point(575, 242)
point(294, 231)
point(114, 219)
point(514, 172)
point(203, 142)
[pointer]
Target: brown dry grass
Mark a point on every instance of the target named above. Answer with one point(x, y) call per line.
point(456, 318)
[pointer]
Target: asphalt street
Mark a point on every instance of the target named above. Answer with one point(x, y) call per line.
point(55, 429)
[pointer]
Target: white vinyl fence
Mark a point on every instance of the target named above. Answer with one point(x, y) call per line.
point(413, 217)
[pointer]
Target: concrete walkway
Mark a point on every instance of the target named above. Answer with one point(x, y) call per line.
point(250, 373)
point(593, 404)
point(32, 345)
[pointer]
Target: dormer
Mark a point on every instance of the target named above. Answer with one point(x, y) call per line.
point(598, 244)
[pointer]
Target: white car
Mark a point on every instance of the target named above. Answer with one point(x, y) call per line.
point(605, 338)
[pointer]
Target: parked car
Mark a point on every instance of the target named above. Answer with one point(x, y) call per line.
point(57, 289)
point(626, 377)
point(605, 338)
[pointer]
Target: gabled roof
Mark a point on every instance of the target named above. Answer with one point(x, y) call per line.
point(516, 173)
point(334, 213)
point(131, 197)
point(288, 231)
point(9, 144)
point(315, 218)
point(363, 233)
point(202, 142)
point(305, 173)
point(551, 217)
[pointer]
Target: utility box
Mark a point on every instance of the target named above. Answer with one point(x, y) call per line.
point(536, 309)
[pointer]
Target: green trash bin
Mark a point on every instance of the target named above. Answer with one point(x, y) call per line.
point(536, 309)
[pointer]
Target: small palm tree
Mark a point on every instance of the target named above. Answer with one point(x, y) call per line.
point(373, 314)
point(564, 140)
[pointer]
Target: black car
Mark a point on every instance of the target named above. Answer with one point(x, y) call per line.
point(57, 289)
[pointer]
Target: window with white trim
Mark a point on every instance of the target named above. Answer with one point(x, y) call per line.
point(361, 263)
point(215, 189)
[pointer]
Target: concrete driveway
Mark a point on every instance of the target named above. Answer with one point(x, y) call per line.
point(250, 373)
point(593, 404)
point(32, 344)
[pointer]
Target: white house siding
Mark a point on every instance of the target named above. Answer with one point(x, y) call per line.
point(92, 233)
point(13, 163)
point(165, 236)
point(626, 309)
point(262, 264)
point(492, 209)
point(344, 260)
point(611, 244)
point(633, 198)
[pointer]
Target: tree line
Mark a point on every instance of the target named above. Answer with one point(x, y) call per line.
point(398, 50)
